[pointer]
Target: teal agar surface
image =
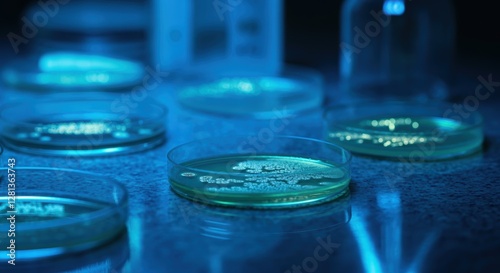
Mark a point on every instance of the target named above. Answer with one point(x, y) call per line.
point(85, 137)
point(259, 181)
point(251, 96)
point(417, 137)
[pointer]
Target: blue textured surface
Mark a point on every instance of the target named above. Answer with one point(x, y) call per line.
point(422, 217)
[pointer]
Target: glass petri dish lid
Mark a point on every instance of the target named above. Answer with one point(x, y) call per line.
point(412, 130)
point(281, 173)
point(59, 211)
point(82, 124)
point(297, 89)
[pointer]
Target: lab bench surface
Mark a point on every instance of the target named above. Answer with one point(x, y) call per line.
point(399, 216)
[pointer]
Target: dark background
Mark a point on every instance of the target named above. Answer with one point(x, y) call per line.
point(478, 36)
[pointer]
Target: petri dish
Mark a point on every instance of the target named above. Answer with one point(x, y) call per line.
point(297, 89)
point(59, 211)
point(91, 124)
point(285, 172)
point(61, 70)
point(404, 129)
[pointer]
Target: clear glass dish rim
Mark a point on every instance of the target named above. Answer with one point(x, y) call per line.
point(53, 98)
point(477, 117)
point(338, 149)
point(61, 222)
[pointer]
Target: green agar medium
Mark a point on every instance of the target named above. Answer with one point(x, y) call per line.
point(260, 181)
point(407, 136)
point(47, 226)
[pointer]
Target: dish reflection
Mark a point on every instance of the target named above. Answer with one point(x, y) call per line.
point(389, 258)
point(233, 238)
point(111, 258)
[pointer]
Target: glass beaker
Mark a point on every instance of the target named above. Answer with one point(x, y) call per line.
point(396, 49)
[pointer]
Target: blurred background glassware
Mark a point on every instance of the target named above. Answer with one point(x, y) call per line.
point(227, 68)
point(221, 37)
point(117, 29)
point(82, 44)
point(396, 49)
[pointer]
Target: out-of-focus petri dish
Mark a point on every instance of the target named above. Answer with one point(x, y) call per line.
point(284, 172)
point(74, 71)
point(297, 89)
point(59, 211)
point(91, 124)
point(410, 130)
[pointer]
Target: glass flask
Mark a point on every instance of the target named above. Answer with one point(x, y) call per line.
point(396, 49)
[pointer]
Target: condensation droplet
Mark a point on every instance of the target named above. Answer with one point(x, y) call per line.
point(188, 174)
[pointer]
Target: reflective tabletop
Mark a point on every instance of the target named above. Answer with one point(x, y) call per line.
point(399, 216)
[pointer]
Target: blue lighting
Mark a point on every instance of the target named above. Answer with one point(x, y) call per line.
point(394, 7)
point(136, 234)
point(389, 201)
point(390, 261)
point(369, 257)
point(424, 249)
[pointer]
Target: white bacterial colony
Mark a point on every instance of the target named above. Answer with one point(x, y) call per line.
point(274, 175)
